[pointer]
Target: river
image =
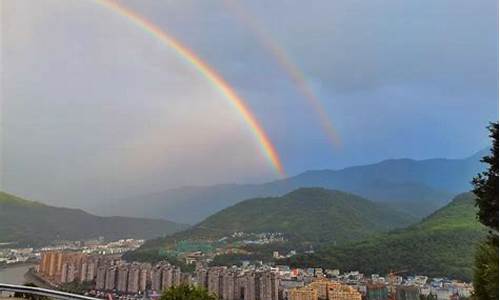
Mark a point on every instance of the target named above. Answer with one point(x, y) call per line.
point(14, 274)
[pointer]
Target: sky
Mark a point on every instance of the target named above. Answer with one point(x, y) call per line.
point(93, 107)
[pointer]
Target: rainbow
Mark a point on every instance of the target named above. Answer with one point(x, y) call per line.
point(208, 72)
point(289, 67)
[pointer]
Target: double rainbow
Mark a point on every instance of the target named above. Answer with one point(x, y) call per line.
point(291, 69)
point(208, 72)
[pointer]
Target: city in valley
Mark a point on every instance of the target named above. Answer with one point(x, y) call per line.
point(249, 150)
point(96, 268)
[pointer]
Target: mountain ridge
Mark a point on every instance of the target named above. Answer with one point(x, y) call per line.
point(442, 244)
point(33, 223)
point(317, 203)
point(306, 216)
point(415, 186)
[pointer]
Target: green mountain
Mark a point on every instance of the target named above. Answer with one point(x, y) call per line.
point(304, 216)
point(33, 223)
point(442, 244)
point(417, 186)
point(310, 214)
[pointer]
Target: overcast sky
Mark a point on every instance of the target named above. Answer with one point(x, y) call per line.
point(94, 107)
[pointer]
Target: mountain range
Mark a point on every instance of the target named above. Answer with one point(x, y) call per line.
point(348, 233)
point(27, 222)
point(314, 215)
point(442, 244)
point(418, 187)
point(306, 217)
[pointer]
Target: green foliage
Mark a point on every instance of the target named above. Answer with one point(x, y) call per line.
point(486, 190)
point(486, 184)
point(151, 255)
point(306, 216)
point(77, 287)
point(32, 223)
point(458, 214)
point(7, 199)
point(257, 253)
point(144, 254)
point(441, 245)
point(309, 214)
point(486, 271)
point(186, 292)
point(230, 259)
point(181, 264)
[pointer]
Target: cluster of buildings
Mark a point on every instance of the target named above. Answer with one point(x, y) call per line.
point(110, 274)
point(318, 283)
point(277, 255)
point(237, 283)
point(123, 278)
point(416, 287)
point(16, 255)
point(164, 276)
point(59, 267)
point(260, 238)
point(325, 290)
point(96, 246)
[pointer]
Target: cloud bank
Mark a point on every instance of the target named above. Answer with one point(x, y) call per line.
point(95, 108)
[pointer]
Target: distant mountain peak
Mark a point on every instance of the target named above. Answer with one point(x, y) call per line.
point(479, 154)
point(304, 216)
point(310, 191)
point(415, 186)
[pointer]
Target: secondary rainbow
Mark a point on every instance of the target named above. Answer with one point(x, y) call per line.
point(208, 72)
point(283, 59)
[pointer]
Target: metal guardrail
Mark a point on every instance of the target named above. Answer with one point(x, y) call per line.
point(43, 292)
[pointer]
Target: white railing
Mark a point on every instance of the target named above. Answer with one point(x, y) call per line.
point(42, 292)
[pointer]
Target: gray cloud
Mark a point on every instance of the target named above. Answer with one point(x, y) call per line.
point(94, 108)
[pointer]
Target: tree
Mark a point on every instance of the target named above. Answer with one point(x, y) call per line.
point(28, 295)
point(486, 272)
point(77, 287)
point(486, 190)
point(187, 292)
point(486, 184)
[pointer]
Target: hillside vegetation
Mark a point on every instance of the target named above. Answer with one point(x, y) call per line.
point(309, 216)
point(32, 223)
point(442, 244)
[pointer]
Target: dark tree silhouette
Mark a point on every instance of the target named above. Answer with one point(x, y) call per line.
point(29, 295)
point(186, 292)
point(486, 184)
point(486, 190)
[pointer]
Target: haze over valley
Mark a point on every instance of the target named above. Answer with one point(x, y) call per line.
point(250, 150)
